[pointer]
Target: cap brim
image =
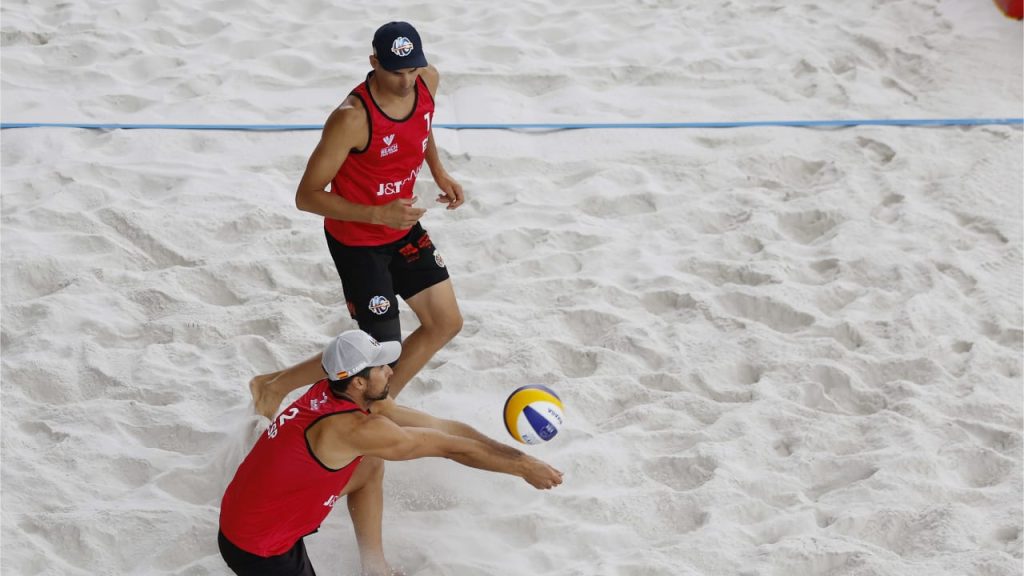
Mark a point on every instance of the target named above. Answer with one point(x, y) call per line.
point(389, 352)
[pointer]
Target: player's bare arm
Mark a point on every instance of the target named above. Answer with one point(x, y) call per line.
point(451, 190)
point(380, 436)
point(344, 131)
point(405, 416)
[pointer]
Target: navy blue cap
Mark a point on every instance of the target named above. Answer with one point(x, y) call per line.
point(397, 45)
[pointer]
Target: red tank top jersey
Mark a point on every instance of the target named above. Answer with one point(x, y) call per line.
point(386, 169)
point(282, 492)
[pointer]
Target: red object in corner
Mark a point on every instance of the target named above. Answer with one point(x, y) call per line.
point(1012, 8)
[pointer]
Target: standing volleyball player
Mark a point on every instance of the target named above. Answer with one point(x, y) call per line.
point(370, 152)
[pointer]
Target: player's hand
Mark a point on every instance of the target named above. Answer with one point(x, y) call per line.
point(451, 191)
point(399, 214)
point(540, 475)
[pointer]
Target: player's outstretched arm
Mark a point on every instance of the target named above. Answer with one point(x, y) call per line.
point(405, 416)
point(382, 437)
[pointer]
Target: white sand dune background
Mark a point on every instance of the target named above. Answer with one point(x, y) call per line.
point(784, 352)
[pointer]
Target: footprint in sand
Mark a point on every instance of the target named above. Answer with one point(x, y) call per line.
point(48, 387)
point(207, 287)
point(847, 335)
point(838, 394)
point(840, 475)
point(511, 245)
point(590, 326)
point(808, 227)
point(776, 315)
point(733, 396)
point(620, 206)
point(719, 273)
point(183, 438)
point(1004, 441)
point(575, 362)
point(965, 282)
point(982, 226)
point(878, 152)
point(890, 210)
point(133, 472)
point(681, 473)
point(668, 302)
point(979, 467)
point(664, 382)
point(154, 249)
point(42, 429)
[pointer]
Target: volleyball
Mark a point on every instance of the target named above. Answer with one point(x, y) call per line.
point(533, 414)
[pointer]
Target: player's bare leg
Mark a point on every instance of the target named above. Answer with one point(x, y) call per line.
point(365, 498)
point(440, 320)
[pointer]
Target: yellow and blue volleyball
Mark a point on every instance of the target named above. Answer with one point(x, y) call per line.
point(533, 414)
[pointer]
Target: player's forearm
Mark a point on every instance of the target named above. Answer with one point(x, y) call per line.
point(466, 431)
point(483, 456)
point(434, 159)
point(334, 206)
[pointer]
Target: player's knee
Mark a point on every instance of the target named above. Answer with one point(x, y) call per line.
point(374, 468)
point(444, 327)
point(451, 325)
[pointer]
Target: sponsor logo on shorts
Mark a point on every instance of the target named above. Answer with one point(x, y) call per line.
point(379, 305)
point(402, 46)
point(390, 147)
point(410, 252)
point(438, 259)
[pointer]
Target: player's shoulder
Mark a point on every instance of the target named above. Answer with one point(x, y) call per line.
point(431, 77)
point(371, 430)
point(351, 112)
point(383, 407)
point(348, 121)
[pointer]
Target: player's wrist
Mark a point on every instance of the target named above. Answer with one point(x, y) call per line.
point(524, 464)
point(373, 215)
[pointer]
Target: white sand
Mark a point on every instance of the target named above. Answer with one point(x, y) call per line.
point(783, 351)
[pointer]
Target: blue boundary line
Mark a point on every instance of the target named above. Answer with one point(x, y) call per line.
point(547, 126)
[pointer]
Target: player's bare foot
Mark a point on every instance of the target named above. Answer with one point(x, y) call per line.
point(382, 569)
point(264, 397)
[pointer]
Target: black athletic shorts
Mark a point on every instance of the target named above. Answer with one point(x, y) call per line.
point(371, 276)
point(294, 562)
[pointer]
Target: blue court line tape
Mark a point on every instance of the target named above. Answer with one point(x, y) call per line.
point(548, 126)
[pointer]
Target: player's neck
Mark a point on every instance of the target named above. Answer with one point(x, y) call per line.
point(387, 99)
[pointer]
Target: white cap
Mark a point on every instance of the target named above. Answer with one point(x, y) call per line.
point(354, 351)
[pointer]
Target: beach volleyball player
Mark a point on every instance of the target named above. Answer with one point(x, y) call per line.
point(370, 152)
point(331, 443)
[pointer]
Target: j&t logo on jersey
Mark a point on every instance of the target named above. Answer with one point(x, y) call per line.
point(379, 305)
point(390, 188)
point(402, 46)
point(390, 147)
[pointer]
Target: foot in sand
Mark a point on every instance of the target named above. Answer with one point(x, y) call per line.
point(265, 397)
